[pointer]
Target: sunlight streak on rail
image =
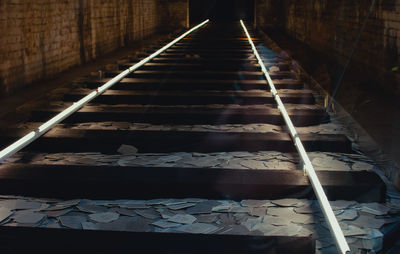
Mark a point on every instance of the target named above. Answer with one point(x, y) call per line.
point(326, 208)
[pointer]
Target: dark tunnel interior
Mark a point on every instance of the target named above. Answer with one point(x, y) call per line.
point(168, 126)
point(221, 10)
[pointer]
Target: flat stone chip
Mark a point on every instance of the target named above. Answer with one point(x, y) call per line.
point(52, 224)
point(280, 211)
point(241, 217)
point(148, 214)
point(286, 202)
point(154, 202)
point(372, 241)
point(182, 219)
point(234, 163)
point(348, 215)
point(134, 202)
point(18, 204)
point(253, 164)
point(127, 149)
point(4, 213)
point(303, 219)
point(194, 200)
point(351, 240)
point(92, 208)
point(281, 165)
point(375, 208)
point(274, 69)
point(170, 202)
point(181, 206)
point(276, 221)
point(341, 204)
point(28, 218)
point(251, 222)
point(63, 205)
point(227, 219)
point(72, 202)
point(308, 209)
point(125, 212)
point(304, 232)
point(372, 233)
point(195, 154)
point(198, 228)
point(222, 208)
point(120, 224)
point(74, 222)
point(258, 212)
point(255, 203)
point(108, 203)
point(137, 225)
point(57, 213)
point(204, 162)
point(207, 218)
point(241, 154)
point(170, 158)
point(86, 225)
point(266, 229)
point(236, 230)
point(353, 231)
point(330, 163)
point(290, 230)
point(104, 217)
point(238, 209)
point(43, 207)
point(200, 208)
point(371, 244)
point(134, 206)
point(368, 222)
point(359, 166)
point(165, 224)
point(165, 213)
point(211, 202)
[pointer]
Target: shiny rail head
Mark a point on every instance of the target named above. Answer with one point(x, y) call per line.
point(326, 208)
point(35, 134)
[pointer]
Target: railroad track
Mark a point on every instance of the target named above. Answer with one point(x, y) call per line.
point(196, 127)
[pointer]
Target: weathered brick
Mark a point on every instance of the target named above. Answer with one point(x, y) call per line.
point(44, 37)
point(332, 27)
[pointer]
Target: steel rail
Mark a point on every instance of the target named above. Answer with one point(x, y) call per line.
point(41, 130)
point(326, 208)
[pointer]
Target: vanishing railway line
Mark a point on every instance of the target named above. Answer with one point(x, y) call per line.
point(210, 77)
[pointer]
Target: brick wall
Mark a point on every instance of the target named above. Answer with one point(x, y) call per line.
point(178, 13)
point(332, 26)
point(41, 38)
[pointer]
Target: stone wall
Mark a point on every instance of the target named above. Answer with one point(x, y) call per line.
point(41, 38)
point(332, 26)
point(178, 13)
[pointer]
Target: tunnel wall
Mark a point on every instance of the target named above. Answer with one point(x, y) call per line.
point(41, 38)
point(332, 26)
